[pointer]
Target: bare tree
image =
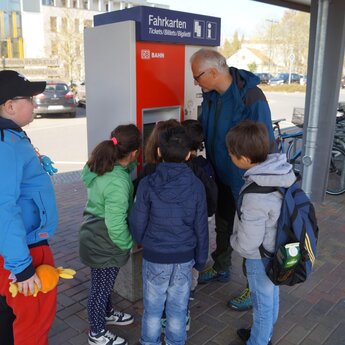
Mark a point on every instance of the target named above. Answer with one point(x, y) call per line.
point(66, 42)
point(280, 40)
point(230, 48)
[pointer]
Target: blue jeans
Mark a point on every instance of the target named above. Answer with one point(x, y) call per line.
point(167, 284)
point(265, 297)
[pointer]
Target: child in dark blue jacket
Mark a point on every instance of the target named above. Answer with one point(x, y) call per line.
point(169, 219)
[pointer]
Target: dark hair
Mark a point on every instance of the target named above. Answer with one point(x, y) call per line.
point(123, 140)
point(195, 133)
point(151, 155)
point(249, 139)
point(174, 145)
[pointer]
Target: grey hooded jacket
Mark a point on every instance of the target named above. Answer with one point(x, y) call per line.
point(260, 212)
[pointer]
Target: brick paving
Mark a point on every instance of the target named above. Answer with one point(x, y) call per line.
point(312, 313)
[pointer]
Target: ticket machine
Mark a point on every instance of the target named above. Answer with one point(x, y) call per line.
point(137, 67)
point(137, 71)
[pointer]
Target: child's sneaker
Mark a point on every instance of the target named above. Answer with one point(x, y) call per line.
point(244, 334)
point(119, 318)
point(188, 321)
point(106, 338)
point(164, 322)
point(242, 302)
point(211, 275)
point(192, 295)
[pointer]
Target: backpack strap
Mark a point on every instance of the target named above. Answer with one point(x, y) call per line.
point(255, 188)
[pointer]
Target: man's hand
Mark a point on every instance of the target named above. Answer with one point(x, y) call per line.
point(28, 285)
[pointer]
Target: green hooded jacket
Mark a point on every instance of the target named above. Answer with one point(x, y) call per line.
point(105, 240)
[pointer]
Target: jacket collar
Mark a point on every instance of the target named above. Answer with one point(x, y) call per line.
point(9, 124)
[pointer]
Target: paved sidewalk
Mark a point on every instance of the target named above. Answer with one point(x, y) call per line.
point(310, 314)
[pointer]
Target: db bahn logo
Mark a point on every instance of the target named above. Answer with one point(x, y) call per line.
point(146, 54)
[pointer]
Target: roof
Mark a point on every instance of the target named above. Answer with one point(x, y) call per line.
point(300, 5)
point(264, 58)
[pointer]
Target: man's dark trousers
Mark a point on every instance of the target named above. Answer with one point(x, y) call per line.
point(224, 219)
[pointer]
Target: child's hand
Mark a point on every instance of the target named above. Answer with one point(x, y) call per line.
point(47, 164)
point(28, 286)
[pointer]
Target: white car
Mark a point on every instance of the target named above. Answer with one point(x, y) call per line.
point(80, 94)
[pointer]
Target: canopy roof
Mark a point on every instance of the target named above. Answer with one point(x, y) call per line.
point(300, 5)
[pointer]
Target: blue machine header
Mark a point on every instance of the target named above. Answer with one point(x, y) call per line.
point(162, 25)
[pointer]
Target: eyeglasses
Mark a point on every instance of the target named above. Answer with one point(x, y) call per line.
point(28, 98)
point(197, 77)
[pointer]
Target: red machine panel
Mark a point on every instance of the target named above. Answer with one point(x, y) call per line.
point(159, 76)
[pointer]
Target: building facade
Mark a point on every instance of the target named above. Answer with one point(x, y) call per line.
point(11, 39)
point(52, 32)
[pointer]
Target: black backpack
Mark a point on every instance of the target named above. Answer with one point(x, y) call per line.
point(296, 224)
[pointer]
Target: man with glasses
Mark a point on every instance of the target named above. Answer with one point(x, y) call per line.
point(230, 95)
point(28, 218)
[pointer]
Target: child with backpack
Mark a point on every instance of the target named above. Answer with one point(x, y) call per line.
point(169, 219)
point(105, 240)
point(255, 224)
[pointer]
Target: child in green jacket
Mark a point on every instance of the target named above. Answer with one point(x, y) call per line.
point(105, 240)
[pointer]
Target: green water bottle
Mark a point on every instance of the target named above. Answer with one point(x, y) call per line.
point(289, 255)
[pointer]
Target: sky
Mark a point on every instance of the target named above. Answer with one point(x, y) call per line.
point(244, 16)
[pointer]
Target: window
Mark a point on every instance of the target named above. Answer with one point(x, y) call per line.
point(64, 24)
point(87, 23)
point(53, 24)
point(54, 48)
point(48, 2)
point(76, 25)
point(77, 50)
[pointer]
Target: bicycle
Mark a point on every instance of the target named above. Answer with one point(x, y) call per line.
point(294, 149)
point(336, 174)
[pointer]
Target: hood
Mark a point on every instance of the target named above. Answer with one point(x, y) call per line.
point(244, 79)
point(87, 176)
point(170, 182)
point(275, 172)
point(9, 124)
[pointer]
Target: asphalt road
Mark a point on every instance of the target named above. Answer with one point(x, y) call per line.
point(64, 140)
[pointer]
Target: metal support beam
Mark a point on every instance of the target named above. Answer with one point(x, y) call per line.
point(326, 50)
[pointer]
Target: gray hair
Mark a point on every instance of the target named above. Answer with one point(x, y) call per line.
point(209, 58)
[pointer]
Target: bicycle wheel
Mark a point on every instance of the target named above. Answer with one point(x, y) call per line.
point(336, 175)
point(294, 154)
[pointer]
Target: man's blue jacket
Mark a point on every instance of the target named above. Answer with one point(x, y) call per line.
point(28, 211)
point(243, 100)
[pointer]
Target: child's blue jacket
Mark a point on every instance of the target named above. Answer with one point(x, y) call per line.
point(169, 216)
point(28, 211)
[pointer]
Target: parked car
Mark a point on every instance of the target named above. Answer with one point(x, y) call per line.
point(264, 77)
point(303, 80)
point(283, 78)
point(342, 83)
point(57, 98)
point(81, 94)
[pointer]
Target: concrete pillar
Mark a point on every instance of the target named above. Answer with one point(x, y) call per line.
point(326, 54)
